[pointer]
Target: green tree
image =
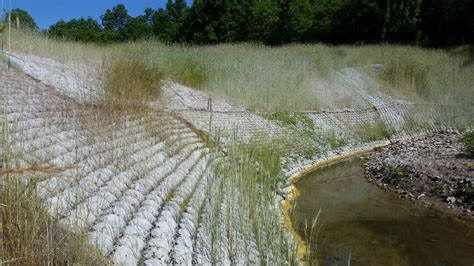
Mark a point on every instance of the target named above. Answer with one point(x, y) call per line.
point(325, 14)
point(202, 22)
point(25, 20)
point(233, 22)
point(217, 21)
point(139, 27)
point(358, 21)
point(263, 20)
point(401, 21)
point(430, 23)
point(80, 30)
point(347, 21)
point(447, 22)
point(168, 23)
point(114, 22)
point(296, 20)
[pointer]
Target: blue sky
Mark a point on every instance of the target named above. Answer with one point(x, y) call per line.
point(47, 12)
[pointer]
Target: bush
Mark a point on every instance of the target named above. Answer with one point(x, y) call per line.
point(468, 140)
point(131, 80)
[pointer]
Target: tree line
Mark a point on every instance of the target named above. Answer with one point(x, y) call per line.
point(436, 23)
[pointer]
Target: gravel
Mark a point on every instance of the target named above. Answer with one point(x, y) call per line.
point(432, 170)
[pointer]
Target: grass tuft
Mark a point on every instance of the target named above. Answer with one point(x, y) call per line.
point(468, 140)
point(371, 132)
point(128, 79)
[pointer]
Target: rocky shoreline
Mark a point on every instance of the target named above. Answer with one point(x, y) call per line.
point(431, 170)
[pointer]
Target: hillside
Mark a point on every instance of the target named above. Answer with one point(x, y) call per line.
point(194, 176)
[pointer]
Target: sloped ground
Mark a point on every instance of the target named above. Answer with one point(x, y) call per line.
point(136, 182)
point(79, 81)
point(142, 183)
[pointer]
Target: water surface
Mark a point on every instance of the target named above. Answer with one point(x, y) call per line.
point(374, 227)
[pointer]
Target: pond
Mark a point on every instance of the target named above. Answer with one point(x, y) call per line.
point(361, 224)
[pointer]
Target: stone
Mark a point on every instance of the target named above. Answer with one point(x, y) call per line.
point(421, 196)
point(451, 199)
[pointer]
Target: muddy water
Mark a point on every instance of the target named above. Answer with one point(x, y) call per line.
point(366, 225)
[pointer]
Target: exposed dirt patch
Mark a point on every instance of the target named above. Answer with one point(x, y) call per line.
point(432, 170)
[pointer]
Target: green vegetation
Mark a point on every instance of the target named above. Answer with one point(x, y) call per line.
point(301, 77)
point(279, 22)
point(299, 120)
point(85, 30)
point(440, 188)
point(304, 137)
point(29, 235)
point(281, 80)
point(335, 141)
point(398, 173)
point(465, 193)
point(373, 132)
point(130, 79)
point(249, 178)
point(306, 140)
point(293, 77)
point(21, 18)
point(468, 140)
point(312, 238)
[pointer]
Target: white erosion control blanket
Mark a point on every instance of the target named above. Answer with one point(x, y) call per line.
point(142, 184)
point(80, 82)
point(136, 183)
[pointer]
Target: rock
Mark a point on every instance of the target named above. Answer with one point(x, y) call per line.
point(421, 196)
point(451, 199)
point(427, 167)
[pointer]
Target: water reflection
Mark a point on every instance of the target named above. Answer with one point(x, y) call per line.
point(370, 226)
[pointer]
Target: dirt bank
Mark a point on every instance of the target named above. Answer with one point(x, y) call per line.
point(431, 170)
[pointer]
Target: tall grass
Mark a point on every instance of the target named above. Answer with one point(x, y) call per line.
point(64, 51)
point(131, 80)
point(300, 77)
point(32, 237)
point(29, 235)
point(293, 77)
point(373, 132)
point(249, 179)
point(288, 78)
